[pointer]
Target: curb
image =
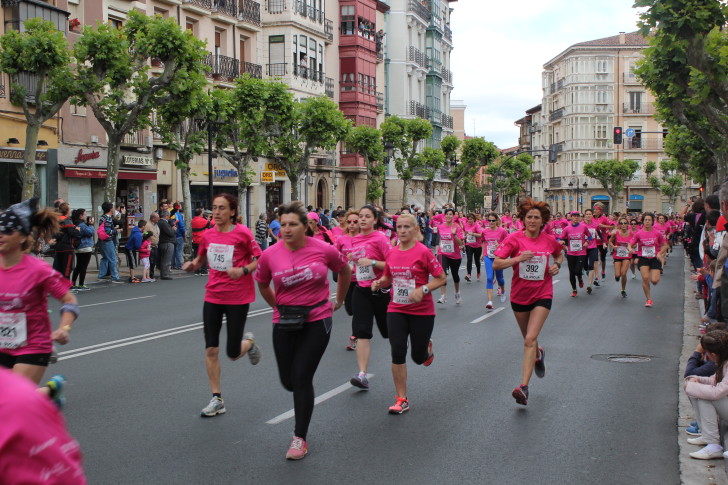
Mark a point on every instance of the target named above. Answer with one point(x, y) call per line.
point(692, 472)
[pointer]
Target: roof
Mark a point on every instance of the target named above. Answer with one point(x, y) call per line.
point(632, 38)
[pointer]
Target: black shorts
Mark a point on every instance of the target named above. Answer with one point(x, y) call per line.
point(369, 307)
point(8, 361)
point(235, 315)
point(653, 263)
point(544, 302)
point(130, 258)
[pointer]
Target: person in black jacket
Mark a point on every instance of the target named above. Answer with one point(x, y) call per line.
point(67, 240)
point(695, 220)
point(166, 244)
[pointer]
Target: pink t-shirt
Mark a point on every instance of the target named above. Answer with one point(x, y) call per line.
point(576, 239)
point(661, 228)
point(474, 241)
point(448, 246)
point(517, 225)
point(650, 243)
point(556, 227)
point(621, 245)
point(411, 269)
point(24, 306)
point(337, 232)
point(374, 245)
point(35, 447)
point(506, 222)
point(300, 277)
point(345, 245)
point(233, 249)
point(531, 279)
point(594, 233)
point(491, 239)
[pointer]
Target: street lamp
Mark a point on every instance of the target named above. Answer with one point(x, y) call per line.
point(572, 183)
point(585, 185)
point(389, 151)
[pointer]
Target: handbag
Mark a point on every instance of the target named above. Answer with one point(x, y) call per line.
point(292, 317)
point(101, 232)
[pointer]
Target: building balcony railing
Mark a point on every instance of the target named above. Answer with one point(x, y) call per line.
point(380, 102)
point(559, 113)
point(223, 68)
point(254, 70)
point(329, 87)
point(448, 33)
point(226, 7)
point(308, 73)
point(329, 29)
point(420, 9)
point(434, 64)
point(418, 57)
point(435, 116)
point(639, 143)
point(139, 139)
point(641, 108)
point(324, 162)
point(304, 10)
point(30, 82)
point(380, 55)
point(419, 110)
point(447, 121)
point(249, 12)
point(276, 70)
point(446, 75)
point(2, 89)
point(202, 3)
point(276, 6)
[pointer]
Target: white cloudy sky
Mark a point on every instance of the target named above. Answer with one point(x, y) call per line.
point(501, 47)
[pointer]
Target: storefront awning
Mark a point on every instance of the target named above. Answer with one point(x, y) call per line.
point(600, 197)
point(216, 184)
point(100, 173)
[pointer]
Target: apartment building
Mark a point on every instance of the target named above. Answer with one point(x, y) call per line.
point(588, 89)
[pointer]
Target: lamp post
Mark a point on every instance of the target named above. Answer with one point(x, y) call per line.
point(585, 185)
point(572, 182)
point(389, 152)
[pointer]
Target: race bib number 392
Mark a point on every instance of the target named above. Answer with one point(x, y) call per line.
point(533, 269)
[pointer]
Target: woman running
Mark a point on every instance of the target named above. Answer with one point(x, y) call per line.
point(371, 247)
point(345, 245)
point(529, 252)
point(493, 235)
point(650, 257)
point(633, 228)
point(84, 251)
point(451, 239)
point(473, 244)
point(592, 250)
point(575, 238)
point(301, 310)
point(619, 243)
point(26, 339)
point(316, 230)
point(411, 312)
point(230, 251)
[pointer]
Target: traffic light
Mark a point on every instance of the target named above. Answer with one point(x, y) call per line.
point(617, 135)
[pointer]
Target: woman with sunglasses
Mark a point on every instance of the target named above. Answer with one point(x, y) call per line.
point(575, 238)
point(592, 250)
point(619, 243)
point(345, 245)
point(650, 257)
point(528, 252)
point(451, 240)
point(493, 235)
point(473, 244)
point(316, 230)
point(634, 227)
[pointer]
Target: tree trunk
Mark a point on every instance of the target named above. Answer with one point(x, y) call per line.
point(405, 186)
point(428, 193)
point(294, 186)
point(243, 198)
point(187, 203)
point(112, 169)
point(30, 177)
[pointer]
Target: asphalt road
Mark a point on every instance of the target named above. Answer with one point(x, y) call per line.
point(137, 382)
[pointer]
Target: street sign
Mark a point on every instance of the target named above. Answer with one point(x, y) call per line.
point(267, 177)
point(629, 133)
point(487, 201)
point(276, 168)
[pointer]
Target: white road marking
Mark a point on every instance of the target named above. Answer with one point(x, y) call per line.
point(117, 301)
point(488, 315)
point(555, 281)
point(323, 397)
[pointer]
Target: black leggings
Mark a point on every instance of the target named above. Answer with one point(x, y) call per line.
point(82, 260)
point(592, 256)
point(474, 253)
point(367, 307)
point(212, 322)
point(298, 353)
point(454, 266)
point(576, 265)
point(63, 263)
point(348, 306)
point(417, 327)
point(603, 256)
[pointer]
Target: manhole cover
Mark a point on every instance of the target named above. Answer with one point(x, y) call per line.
point(623, 358)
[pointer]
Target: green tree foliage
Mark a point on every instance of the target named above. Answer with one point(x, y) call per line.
point(406, 136)
point(367, 142)
point(689, 151)
point(474, 195)
point(685, 68)
point(113, 78)
point(40, 55)
point(314, 124)
point(612, 174)
point(670, 181)
point(511, 174)
point(429, 162)
point(476, 153)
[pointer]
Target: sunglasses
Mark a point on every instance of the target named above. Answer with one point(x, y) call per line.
point(7, 231)
point(492, 220)
point(623, 223)
point(632, 223)
point(353, 221)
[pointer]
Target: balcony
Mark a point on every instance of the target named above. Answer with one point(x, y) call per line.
point(329, 29)
point(223, 68)
point(276, 6)
point(639, 108)
point(141, 140)
point(276, 70)
point(304, 10)
point(30, 82)
point(380, 102)
point(420, 10)
point(446, 75)
point(416, 56)
point(196, 5)
point(254, 70)
point(18, 11)
point(225, 7)
point(419, 110)
point(555, 183)
point(447, 121)
point(639, 143)
point(329, 87)
point(558, 114)
point(249, 12)
point(324, 162)
point(308, 73)
point(448, 33)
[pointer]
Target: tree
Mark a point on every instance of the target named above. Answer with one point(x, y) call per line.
point(248, 120)
point(37, 61)
point(315, 123)
point(474, 195)
point(449, 145)
point(513, 172)
point(367, 142)
point(670, 182)
point(688, 150)
point(113, 79)
point(612, 174)
point(476, 153)
point(684, 67)
point(406, 136)
point(429, 162)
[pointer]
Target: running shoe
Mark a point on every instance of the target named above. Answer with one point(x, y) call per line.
point(467, 278)
point(596, 283)
point(254, 351)
point(478, 276)
point(707, 454)
point(56, 387)
point(430, 355)
point(352, 343)
point(693, 430)
point(215, 407)
point(443, 299)
point(588, 290)
point(603, 275)
point(360, 380)
point(573, 294)
point(297, 450)
point(581, 283)
point(634, 276)
point(489, 305)
point(75, 288)
point(499, 292)
point(693, 423)
point(400, 406)
point(649, 303)
point(699, 441)
point(540, 367)
point(83, 288)
point(616, 278)
point(520, 394)
point(117, 282)
point(458, 299)
point(624, 294)
point(147, 280)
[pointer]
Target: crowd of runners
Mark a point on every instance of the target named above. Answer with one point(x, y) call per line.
point(386, 268)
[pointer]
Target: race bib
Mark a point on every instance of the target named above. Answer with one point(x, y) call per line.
point(575, 245)
point(364, 273)
point(220, 256)
point(492, 246)
point(470, 239)
point(401, 288)
point(593, 233)
point(447, 246)
point(558, 231)
point(13, 330)
point(648, 251)
point(622, 252)
point(533, 269)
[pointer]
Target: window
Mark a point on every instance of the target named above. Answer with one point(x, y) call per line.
point(601, 67)
point(635, 101)
point(601, 97)
point(161, 12)
point(75, 9)
point(277, 52)
point(600, 131)
point(191, 25)
point(116, 23)
point(78, 110)
point(347, 19)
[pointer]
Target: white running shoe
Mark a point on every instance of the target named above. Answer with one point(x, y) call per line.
point(443, 299)
point(503, 296)
point(489, 305)
point(458, 299)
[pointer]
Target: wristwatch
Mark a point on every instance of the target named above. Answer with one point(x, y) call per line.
point(425, 289)
point(374, 263)
point(557, 264)
point(245, 271)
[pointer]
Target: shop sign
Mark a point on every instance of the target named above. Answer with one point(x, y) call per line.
point(11, 154)
point(267, 177)
point(269, 166)
point(138, 161)
point(85, 157)
point(224, 173)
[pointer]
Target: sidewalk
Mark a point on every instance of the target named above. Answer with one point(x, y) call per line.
point(693, 472)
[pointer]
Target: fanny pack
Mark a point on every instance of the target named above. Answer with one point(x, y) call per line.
point(292, 317)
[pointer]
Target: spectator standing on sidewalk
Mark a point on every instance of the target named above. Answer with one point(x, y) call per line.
point(199, 226)
point(84, 250)
point(107, 266)
point(166, 244)
point(153, 227)
point(133, 243)
point(261, 232)
point(67, 240)
point(274, 229)
point(180, 234)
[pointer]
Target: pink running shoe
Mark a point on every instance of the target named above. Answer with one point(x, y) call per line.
point(298, 449)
